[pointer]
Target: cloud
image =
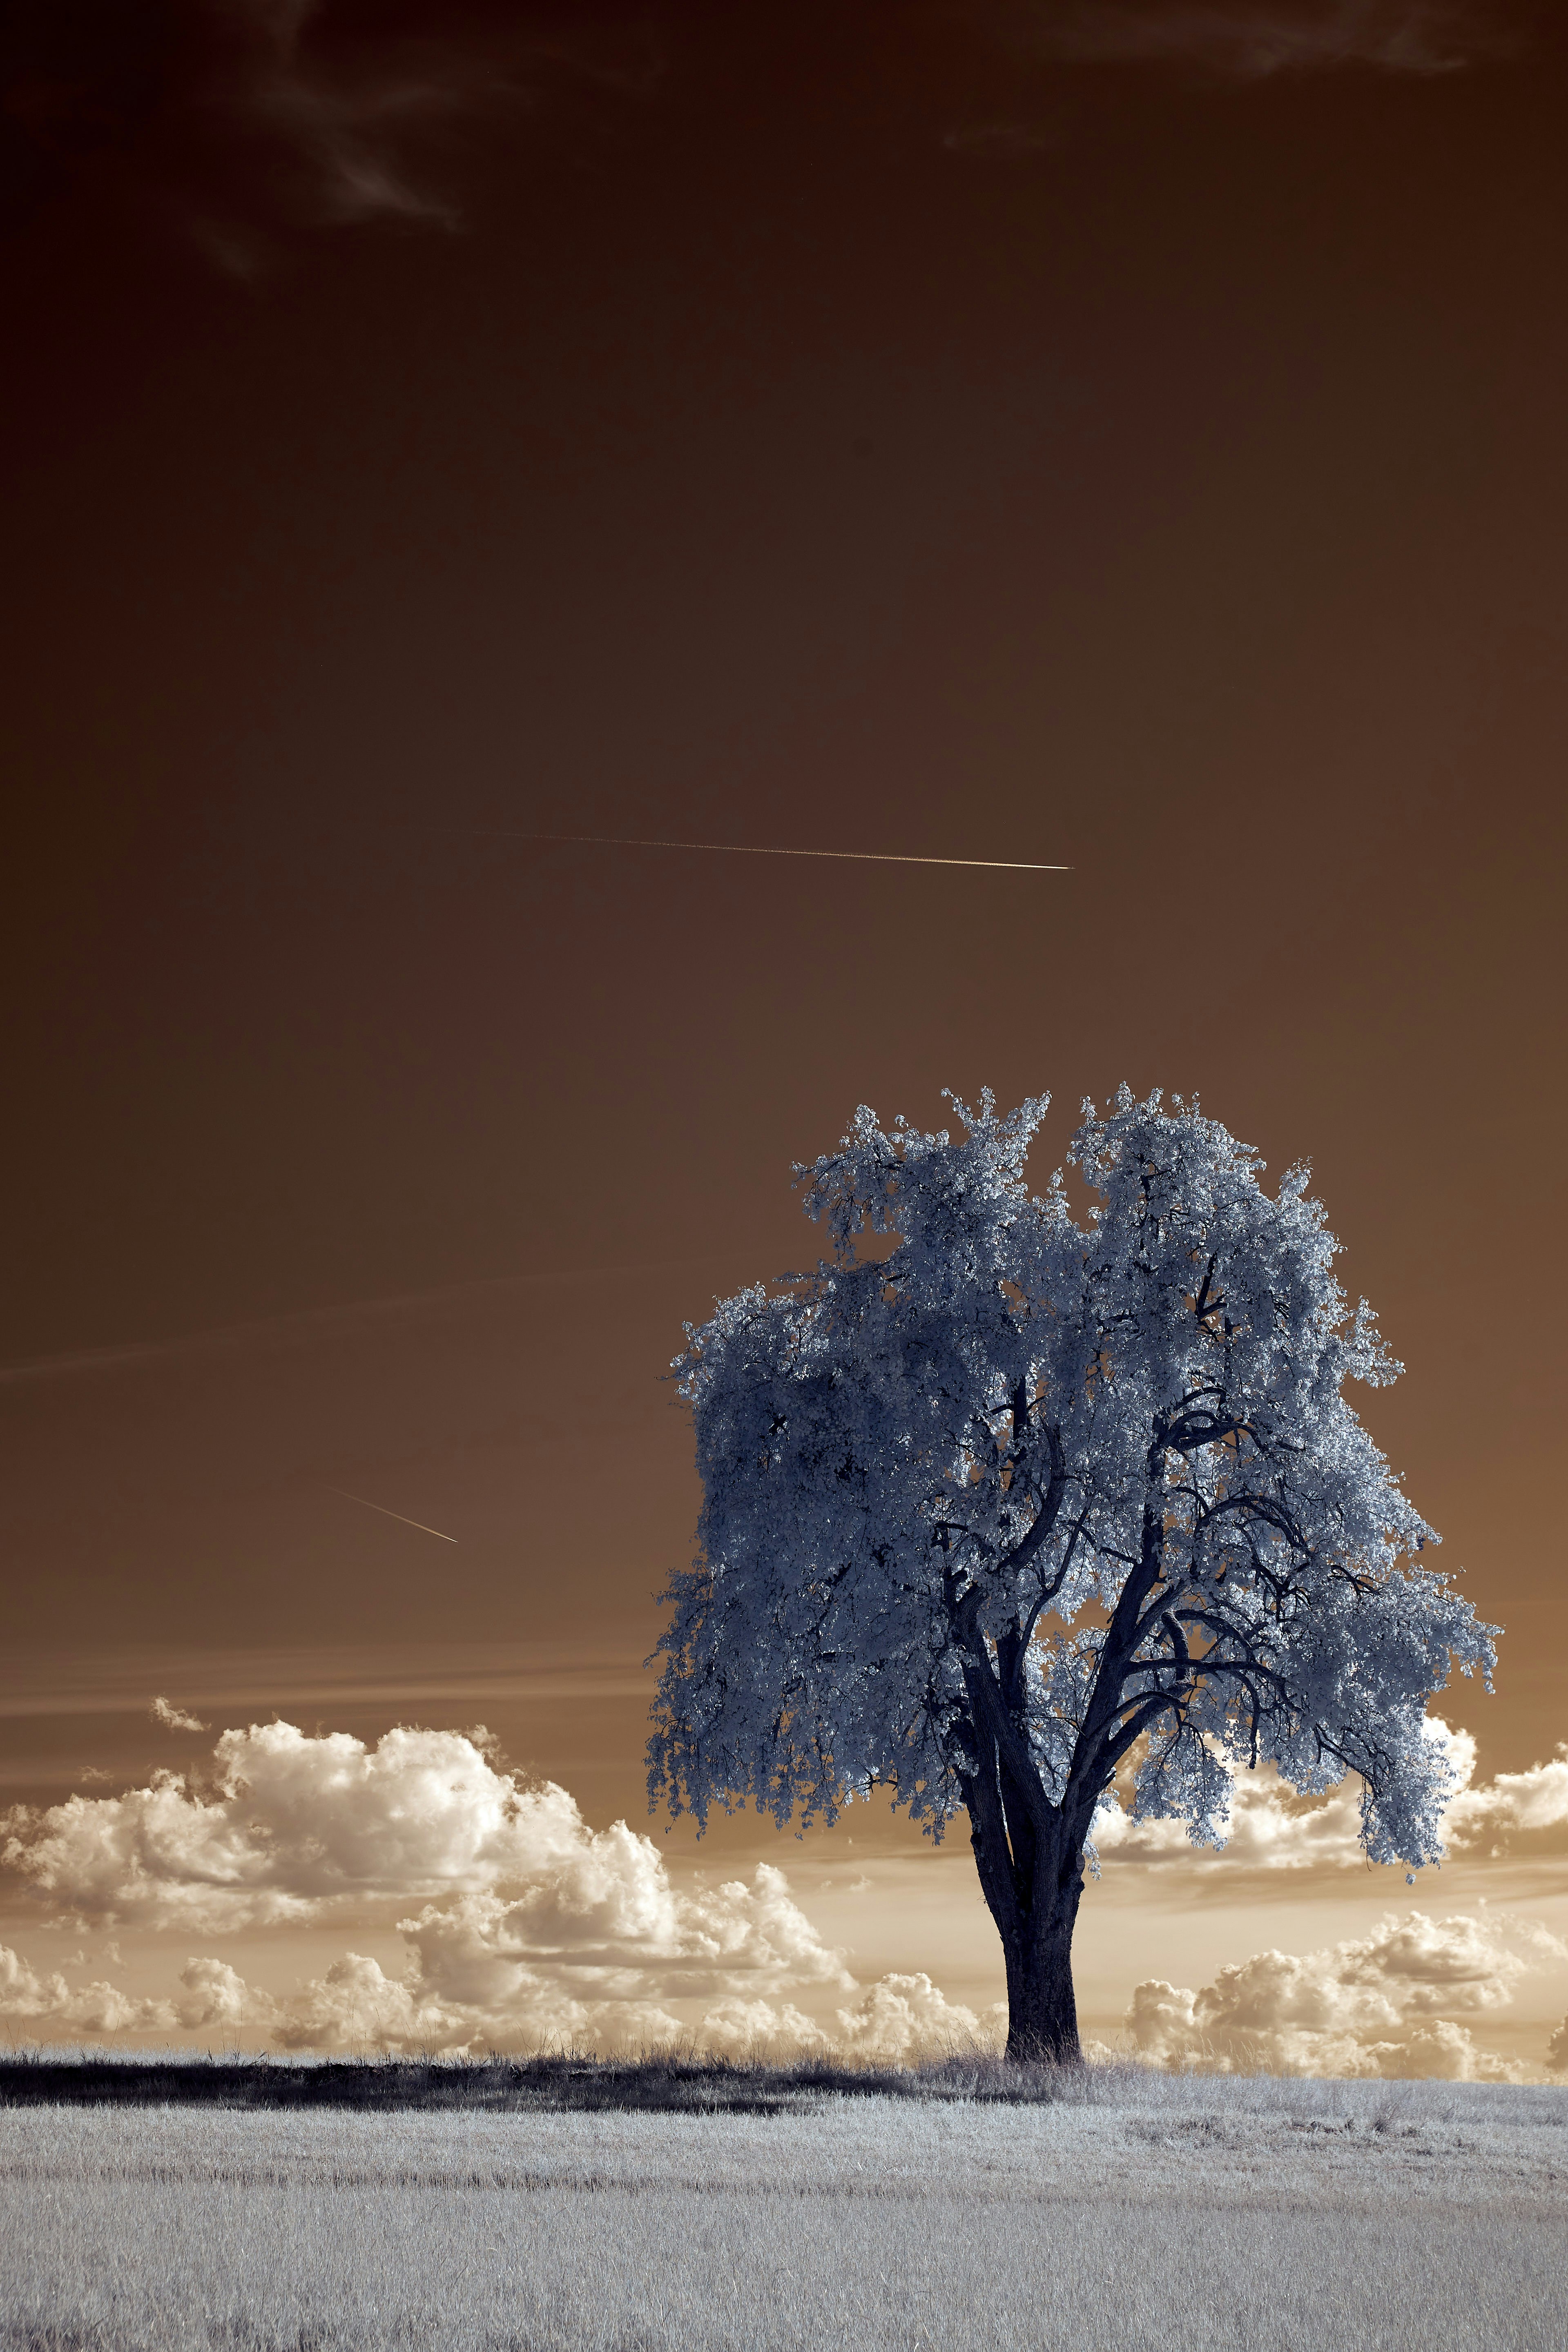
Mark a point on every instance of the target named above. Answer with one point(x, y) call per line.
point(903, 2018)
point(606, 1917)
point(215, 1994)
point(589, 1954)
point(243, 117)
point(356, 2005)
point(522, 1927)
point(295, 1828)
point(1251, 40)
point(290, 1828)
point(175, 1718)
point(1386, 2003)
point(52, 2008)
point(238, 123)
point(1269, 1828)
point(1488, 1819)
point(527, 1928)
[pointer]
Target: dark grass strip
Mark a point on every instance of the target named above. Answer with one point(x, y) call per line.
point(657, 2084)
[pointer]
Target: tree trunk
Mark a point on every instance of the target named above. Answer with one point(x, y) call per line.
point(1032, 1884)
point(1030, 1865)
point(1042, 2013)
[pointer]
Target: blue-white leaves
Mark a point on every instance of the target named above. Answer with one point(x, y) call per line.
point(1109, 1464)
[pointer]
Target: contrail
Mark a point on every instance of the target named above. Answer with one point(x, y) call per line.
point(749, 849)
point(277, 1330)
point(390, 1515)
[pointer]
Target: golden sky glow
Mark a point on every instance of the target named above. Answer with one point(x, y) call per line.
point(888, 446)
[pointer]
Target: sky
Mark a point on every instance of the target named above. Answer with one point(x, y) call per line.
point(1118, 438)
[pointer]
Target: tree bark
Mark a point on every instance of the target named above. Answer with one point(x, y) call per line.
point(1031, 1874)
point(1042, 2010)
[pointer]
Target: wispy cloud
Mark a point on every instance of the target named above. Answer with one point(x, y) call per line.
point(1250, 40)
point(461, 1678)
point(308, 1326)
point(243, 118)
point(237, 121)
point(175, 1719)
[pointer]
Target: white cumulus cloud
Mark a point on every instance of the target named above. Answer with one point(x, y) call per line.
point(357, 2005)
point(294, 1827)
point(1386, 2003)
point(523, 1928)
point(608, 1918)
point(52, 2009)
point(584, 1968)
point(901, 2018)
point(1488, 1819)
point(528, 1928)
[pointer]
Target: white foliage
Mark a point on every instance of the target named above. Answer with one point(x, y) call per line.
point(1097, 1482)
point(1266, 1829)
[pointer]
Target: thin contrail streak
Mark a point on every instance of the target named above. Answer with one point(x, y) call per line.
point(750, 849)
point(390, 1515)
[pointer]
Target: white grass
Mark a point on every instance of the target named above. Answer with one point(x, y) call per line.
point(1139, 2212)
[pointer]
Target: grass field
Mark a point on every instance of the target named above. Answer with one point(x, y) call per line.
point(1128, 2210)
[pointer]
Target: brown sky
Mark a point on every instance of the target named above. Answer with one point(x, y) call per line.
point(1128, 436)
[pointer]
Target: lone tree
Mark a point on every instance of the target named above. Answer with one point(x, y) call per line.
point(1024, 1497)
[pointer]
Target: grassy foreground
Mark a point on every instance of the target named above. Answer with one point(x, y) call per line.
point(1125, 2212)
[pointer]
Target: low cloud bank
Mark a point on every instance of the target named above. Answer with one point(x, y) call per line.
point(357, 2005)
point(1269, 1828)
point(1386, 2003)
point(47, 2008)
point(523, 1928)
point(532, 1929)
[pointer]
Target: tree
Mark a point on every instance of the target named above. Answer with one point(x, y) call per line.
point(1026, 1499)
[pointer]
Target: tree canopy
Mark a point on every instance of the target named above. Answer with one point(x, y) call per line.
point(1028, 1494)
